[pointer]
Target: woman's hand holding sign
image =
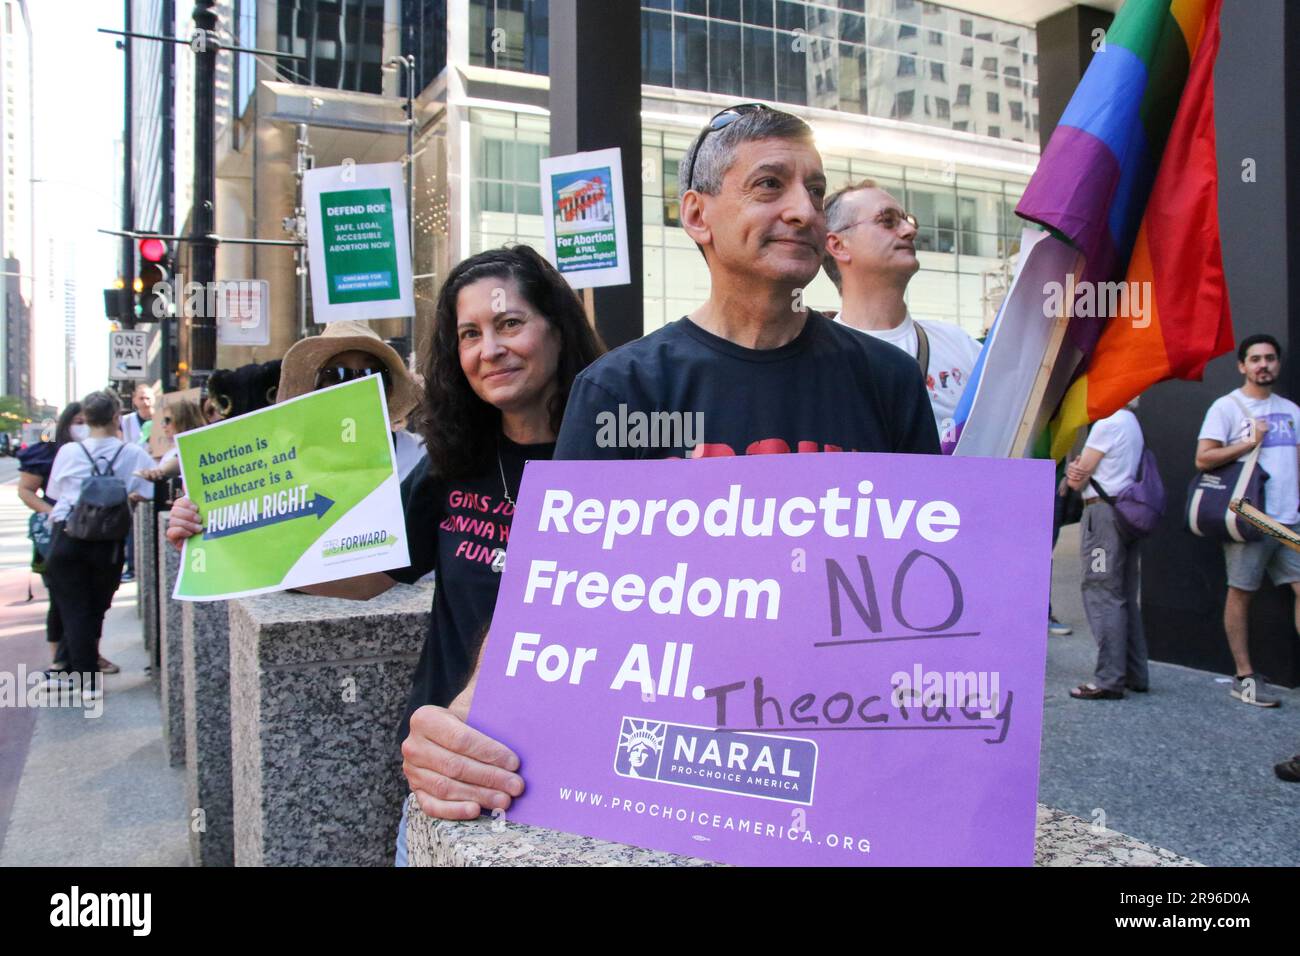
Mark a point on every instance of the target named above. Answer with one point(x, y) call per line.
point(455, 771)
point(183, 523)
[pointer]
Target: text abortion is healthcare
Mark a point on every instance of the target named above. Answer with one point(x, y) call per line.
point(736, 515)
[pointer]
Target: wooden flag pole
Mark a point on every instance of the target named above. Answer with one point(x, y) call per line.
point(1035, 416)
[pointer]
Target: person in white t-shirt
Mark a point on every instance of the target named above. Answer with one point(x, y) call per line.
point(1234, 426)
point(1108, 466)
point(84, 575)
point(871, 256)
point(133, 424)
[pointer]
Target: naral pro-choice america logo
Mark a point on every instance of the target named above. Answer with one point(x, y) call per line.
point(753, 765)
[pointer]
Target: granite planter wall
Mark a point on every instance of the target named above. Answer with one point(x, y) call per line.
point(170, 632)
point(205, 652)
point(318, 686)
point(1062, 840)
point(145, 540)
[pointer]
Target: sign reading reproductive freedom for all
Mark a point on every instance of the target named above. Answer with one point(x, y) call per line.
point(827, 659)
point(358, 244)
point(299, 493)
point(585, 218)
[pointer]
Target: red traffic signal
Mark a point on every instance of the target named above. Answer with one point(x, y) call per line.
point(153, 250)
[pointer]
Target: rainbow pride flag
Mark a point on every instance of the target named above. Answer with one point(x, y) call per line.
point(1129, 179)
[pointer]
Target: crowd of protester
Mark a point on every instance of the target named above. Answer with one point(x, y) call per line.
point(515, 372)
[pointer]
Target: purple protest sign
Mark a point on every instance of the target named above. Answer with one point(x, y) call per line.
point(829, 659)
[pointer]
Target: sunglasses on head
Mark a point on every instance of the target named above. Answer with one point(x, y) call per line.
point(720, 121)
point(338, 374)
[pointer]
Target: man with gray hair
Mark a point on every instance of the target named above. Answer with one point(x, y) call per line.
point(760, 372)
point(871, 256)
point(764, 374)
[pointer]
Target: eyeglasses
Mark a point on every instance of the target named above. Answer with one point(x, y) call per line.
point(720, 121)
point(891, 219)
point(338, 374)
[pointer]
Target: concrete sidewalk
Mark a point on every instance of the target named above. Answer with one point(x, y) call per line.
point(98, 791)
point(1185, 766)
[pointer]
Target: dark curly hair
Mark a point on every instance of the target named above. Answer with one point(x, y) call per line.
point(63, 430)
point(460, 429)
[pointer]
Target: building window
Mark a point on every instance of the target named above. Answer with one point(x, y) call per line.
point(963, 94)
point(1012, 73)
point(1017, 111)
point(724, 58)
point(935, 38)
point(960, 125)
point(906, 31)
point(906, 66)
point(903, 103)
point(690, 53)
point(758, 12)
point(968, 56)
point(993, 103)
point(759, 79)
point(941, 108)
point(995, 131)
point(656, 48)
point(936, 71)
point(990, 65)
point(967, 27)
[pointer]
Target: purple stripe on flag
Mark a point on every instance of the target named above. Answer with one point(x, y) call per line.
point(1072, 191)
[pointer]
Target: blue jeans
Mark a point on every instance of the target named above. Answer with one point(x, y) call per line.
point(400, 859)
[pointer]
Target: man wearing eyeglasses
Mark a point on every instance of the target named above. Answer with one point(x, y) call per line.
point(760, 373)
point(871, 256)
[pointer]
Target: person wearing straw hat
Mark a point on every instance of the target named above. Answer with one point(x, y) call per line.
point(348, 350)
point(509, 337)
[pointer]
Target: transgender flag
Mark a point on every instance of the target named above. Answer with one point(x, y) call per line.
point(1129, 180)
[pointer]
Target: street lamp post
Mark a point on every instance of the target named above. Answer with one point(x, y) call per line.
point(408, 62)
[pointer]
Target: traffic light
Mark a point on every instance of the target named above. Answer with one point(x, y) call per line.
point(119, 304)
point(152, 280)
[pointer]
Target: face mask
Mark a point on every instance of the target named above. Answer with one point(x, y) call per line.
point(80, 432)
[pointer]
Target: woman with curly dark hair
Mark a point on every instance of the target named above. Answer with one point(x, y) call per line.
point(509, 338)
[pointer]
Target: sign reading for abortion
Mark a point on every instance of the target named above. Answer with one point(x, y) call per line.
point(299, 493)
point(827, 659)
point(585, 219)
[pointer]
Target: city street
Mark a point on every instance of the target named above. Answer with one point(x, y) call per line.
point(77, 790)
point(1184, 767)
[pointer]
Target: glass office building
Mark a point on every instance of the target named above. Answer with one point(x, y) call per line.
point(938, 105)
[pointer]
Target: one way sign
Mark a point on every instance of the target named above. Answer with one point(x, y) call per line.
point(126, 354)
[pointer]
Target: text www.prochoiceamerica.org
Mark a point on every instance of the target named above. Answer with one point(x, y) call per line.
point(795, 830)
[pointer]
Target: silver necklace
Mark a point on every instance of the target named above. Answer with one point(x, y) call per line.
point(505, 489)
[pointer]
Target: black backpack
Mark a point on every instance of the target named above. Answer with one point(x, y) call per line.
point(103, 510)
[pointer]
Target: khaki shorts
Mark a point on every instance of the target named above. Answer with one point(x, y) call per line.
point(1247, 562)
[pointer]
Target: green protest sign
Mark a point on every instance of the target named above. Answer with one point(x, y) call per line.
point(358, 245)
point(360, 255)
point(299, 493)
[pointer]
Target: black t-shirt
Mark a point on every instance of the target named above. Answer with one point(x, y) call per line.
point(460, 530)
point(829, 389)
point(37, 459)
